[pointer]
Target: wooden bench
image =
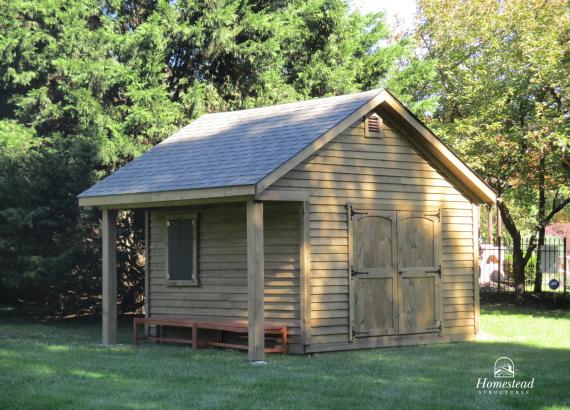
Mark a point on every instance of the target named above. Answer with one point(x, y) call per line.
point(159, 323)
point(273, 332)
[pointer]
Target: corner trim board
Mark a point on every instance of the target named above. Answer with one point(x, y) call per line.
point(146, 268)
point(476, 267)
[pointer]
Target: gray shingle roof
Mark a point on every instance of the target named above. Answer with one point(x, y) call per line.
point(230, 148)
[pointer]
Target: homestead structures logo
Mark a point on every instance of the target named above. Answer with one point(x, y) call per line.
point(504, 367)
point(504, 381)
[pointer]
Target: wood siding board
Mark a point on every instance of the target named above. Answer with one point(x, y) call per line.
point(390, 341)
point(305, 252)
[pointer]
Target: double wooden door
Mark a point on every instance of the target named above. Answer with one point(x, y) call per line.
point(395, 272)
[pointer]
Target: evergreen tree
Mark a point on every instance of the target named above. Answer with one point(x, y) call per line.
point(87, 85)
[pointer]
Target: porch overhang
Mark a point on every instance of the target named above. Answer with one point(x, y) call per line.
point(170, 198)
point(255, 256)
point(192, 197)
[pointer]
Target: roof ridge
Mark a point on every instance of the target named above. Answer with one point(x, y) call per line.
point(373, 91)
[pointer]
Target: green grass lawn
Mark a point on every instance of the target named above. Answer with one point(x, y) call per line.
point(61, 365)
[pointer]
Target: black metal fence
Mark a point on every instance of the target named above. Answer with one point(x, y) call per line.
point(496, 267)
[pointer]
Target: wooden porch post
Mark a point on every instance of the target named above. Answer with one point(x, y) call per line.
point(109, 228)
point(255, 283)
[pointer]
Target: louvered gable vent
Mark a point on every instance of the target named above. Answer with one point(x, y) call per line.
point(373, 126)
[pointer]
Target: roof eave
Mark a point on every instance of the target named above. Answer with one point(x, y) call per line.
point(170, 198)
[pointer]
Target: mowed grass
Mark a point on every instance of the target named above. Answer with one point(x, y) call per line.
point(61, 365)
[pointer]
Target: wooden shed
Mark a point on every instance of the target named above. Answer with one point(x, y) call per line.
point(343, 218)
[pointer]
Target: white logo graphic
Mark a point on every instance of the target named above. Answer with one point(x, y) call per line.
point(504, 381)
point(504, 367)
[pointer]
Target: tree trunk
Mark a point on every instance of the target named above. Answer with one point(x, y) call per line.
point(518, 257)
point(518, 265)
point(538, 271)
point(541, 229)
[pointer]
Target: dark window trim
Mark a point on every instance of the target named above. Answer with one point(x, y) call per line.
point(184, 282)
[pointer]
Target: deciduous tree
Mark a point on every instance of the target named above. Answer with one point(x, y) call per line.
point(503, 71)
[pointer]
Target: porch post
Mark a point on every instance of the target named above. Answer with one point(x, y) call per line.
point(255, 269)
point(109, 230)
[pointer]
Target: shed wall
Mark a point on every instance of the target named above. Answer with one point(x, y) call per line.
point(379, 173)
point(222, 266)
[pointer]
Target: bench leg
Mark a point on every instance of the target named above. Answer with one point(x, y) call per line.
point(284, 336)
point(194, 336)
point(135, 338)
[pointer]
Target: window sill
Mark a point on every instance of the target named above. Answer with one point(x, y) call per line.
point(182, 283)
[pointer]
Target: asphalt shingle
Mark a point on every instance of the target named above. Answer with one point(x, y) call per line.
point(230, 148)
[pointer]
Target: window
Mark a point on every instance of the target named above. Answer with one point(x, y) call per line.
point(182, 251)
point(373, 126)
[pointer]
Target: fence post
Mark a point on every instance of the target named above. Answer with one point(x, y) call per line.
point(565, 263)
point(500, 267)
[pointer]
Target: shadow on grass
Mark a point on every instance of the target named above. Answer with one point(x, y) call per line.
point(529, 303)
point(62, 365)
point(536, 312)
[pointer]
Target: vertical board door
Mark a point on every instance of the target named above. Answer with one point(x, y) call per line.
point(373, 273)
point(419, 272)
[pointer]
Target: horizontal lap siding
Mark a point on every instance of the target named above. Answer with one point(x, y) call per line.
point(385, 174)
point(222, 266)
point(282, 232)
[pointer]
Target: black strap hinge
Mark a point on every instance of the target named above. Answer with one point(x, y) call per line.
point(437, 214)
point(353, 272)
point(353, 212)
point(355, 333)
point(438, 271)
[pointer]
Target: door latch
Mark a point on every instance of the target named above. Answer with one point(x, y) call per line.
point(353, 272)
